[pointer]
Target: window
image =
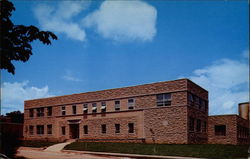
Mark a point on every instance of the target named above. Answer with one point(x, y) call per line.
point(31, 113)
point(103, 107)
point(63, 129)
point(191, 124)
point(49, 111)
point(63, 110)
point(85, 108)
point(196, 100)
point(117, 128)
point(131, 103)
point(220, 130)
point(131, 127)
point(94, 108)
point(117, 105)
point(204, 129)
point(49, 129)
point(104, 129)
point(203, 105)
point(31, 129)
point(40, 112)
point(191, 99)
point(163, 99)
point(85, 129)
point(40, 129)
point(242, 132)
point(73, 109)
point(198, 125)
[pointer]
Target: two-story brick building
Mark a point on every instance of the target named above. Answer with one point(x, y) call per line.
point(163, 112)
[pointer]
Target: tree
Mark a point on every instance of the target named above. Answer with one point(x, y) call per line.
point(16, 40)
point(15, 116)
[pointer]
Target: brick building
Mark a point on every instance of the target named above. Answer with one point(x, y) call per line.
point(164, 112)
point(228, 129)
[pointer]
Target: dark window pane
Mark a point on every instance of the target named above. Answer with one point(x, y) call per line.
point(220, 130)
point(85, 129)
point(104, 128)
point(131, 127)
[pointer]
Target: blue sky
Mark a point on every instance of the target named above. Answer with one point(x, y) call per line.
point(111, 44)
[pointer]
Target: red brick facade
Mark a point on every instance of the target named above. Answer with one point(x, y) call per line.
point(228, 129)
point(164, 112)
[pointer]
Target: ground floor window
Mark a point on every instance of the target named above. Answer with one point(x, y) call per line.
point(131, 127)
point(191, 124)
point(104, 130)
point(49, 129)
point(204, 129)
point(198, 125)
point(117, 128)
point(85, 129)
point(31, 129)
point(40, 129)
point(63, 129)
point(220, 130)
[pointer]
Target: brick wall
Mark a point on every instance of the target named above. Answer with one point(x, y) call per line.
point(168, 86)
point(168, 124)
point(231, 129)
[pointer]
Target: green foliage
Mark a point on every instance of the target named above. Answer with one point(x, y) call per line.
point(15, 116)
point(204, 151)
point(16, 39)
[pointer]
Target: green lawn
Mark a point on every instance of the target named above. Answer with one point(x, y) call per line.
point(206, 151)
point(37, 144)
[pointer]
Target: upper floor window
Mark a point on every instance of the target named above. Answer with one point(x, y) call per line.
point(31, 113)
point(94, 108)
point(131, 103)
point(49, 129)
point(198, 125)
point(104, 129)
point(131, 127)
point(40, 112)
point(73, 109)
point(163, 99)
point(40, 129)
point(117, 128)
point(85, 108)
point(202, 105)
point(191, 124)
point(31, 129)
point(191, 99)
point(49, 111)
point(196, 100)
point(63, 110)
point(103, 107)
point(117, 105)
point(220, 130)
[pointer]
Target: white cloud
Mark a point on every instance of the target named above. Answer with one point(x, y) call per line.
point(227, 82)
point(124, 20)
point(59, 19)
point(69, 76)
point(14, 95)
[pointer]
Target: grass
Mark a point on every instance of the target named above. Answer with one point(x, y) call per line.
point(205, 151)
point(37, 144)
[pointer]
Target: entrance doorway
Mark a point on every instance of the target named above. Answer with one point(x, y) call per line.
point(74, 131)
point(74, 128)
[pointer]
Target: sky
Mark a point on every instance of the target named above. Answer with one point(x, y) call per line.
point(111, 44)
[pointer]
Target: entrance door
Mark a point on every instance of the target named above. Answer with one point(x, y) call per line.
point(74, 131)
